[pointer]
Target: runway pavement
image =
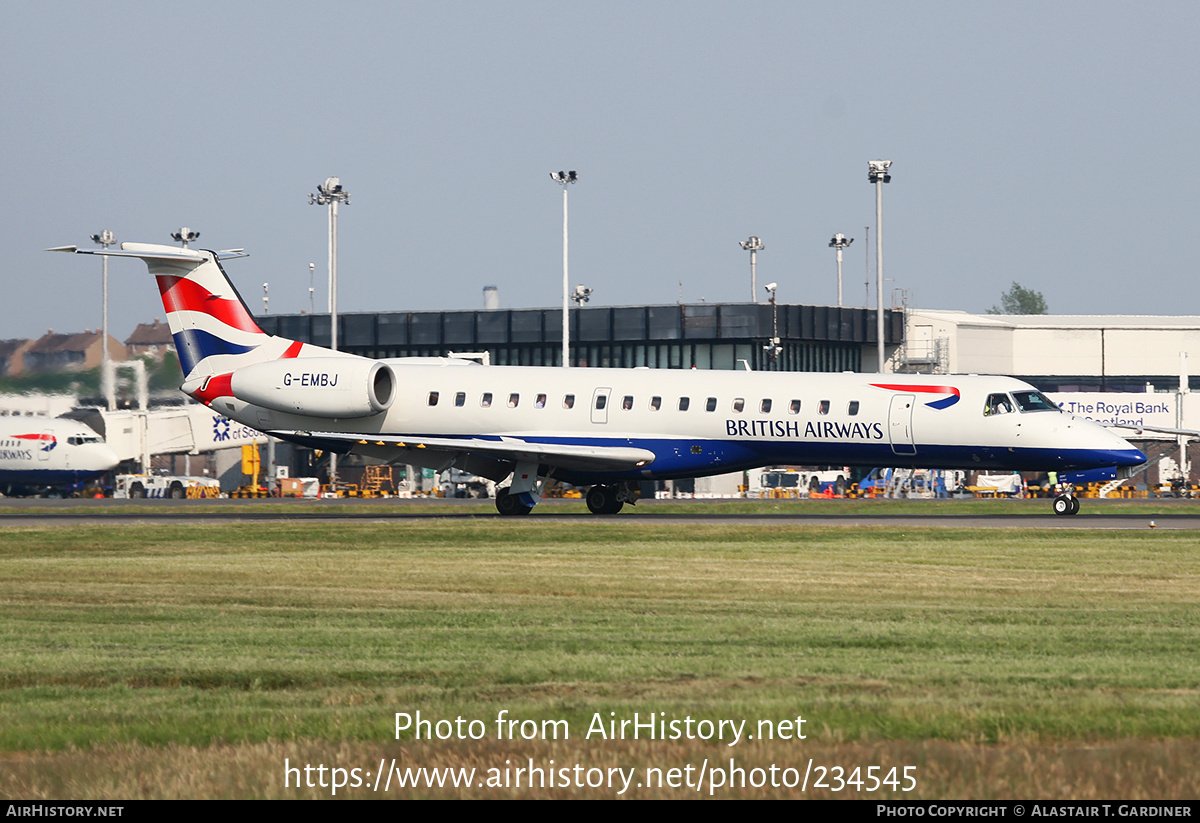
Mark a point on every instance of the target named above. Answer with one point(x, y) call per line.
point(1036, 515)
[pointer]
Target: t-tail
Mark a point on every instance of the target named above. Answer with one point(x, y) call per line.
point(215, 334)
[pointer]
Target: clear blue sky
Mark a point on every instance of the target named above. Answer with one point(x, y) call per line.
point(1048, 143)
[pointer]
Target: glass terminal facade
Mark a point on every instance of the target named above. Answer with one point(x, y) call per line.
point(673, 336)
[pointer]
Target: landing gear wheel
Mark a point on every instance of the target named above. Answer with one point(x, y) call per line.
point(1066, 504)
point(603, 500)
point(510, 505)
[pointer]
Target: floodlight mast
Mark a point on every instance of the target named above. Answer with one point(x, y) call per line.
point(105, 239)
point(185, 236)
point(754, 245)
point(877, 173)
point(773, 348)
point(330, 193)
point(564, 179)
point(839, 242)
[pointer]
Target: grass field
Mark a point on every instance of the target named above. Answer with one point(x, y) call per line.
point(192, 661)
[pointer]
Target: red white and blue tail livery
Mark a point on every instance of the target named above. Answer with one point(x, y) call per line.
point(603, 428)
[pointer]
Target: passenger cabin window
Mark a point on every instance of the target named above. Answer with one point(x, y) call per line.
point(997, 404)
point(684, 402)
point(568, 401)
point(486, 400)
point(627, 402)
point(540, 402)
point(765, 406)
point(460, 399)
point(853, 408)
point(601, 401)
point(794, 407)
point(655, 403)
point(710, 404)
point(433, 398)
point(739, 403)
point(514, 400)
point(823, 407)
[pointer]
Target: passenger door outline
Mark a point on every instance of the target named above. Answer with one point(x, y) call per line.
point(900, 424)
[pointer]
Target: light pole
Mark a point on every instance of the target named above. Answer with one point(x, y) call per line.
point(754, 245)
point(330, 193)
point(564, 179)
point(877, 173)
point(839, 242)
point(312, 308)
point(185, 236)
point(773, 348)
point(105, 239)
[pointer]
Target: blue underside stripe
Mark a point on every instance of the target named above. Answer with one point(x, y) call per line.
point(674, 458)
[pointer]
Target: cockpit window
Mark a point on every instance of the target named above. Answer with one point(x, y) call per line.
point(1031, 401)
point(998, 404)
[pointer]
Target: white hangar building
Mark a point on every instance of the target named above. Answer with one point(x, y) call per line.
point(1057, 353)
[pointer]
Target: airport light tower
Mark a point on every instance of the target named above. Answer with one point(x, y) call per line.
point(754, 245)
point(564, 179)
point(330, 193)
point(105, 239)
point(839, 242)
point(878, 173)
point(773, 348)
point(185, 236)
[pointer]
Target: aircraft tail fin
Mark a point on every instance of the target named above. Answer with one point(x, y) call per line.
point(213, 329)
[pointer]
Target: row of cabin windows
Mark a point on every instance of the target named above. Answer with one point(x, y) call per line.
point(656, 403)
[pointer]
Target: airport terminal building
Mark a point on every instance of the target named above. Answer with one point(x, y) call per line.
point(1058, 353)
point(673, 336)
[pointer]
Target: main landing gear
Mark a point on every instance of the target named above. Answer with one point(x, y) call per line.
point(511, 505)
point(611, 499)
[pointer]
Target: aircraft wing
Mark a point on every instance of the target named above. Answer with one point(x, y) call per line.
point(1158, 430)
point(561, 455)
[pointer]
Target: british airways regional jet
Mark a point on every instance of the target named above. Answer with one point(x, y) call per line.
point(607, 429)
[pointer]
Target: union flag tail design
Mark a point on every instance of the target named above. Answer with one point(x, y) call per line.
point(214, 332)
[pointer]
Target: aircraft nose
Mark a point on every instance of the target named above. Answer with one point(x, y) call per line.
point(1123, 451)
point(106, 458)
point(1131, 457)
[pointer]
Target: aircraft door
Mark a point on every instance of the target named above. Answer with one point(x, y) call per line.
point(900, 424)
point(600, 405)
point(43, 453)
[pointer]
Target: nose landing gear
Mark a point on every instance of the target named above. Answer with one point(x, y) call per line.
point(1066, 502)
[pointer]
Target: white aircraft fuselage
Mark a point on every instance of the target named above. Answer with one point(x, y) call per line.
point(40, 453)
point(605, 428)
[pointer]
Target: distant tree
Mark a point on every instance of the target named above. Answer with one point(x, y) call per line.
point(1020, 300)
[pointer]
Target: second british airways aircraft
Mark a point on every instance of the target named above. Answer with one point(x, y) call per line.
point(604, 428)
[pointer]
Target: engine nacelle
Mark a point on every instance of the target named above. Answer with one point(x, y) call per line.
point(318, 386)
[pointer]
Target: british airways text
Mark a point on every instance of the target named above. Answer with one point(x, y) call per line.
point(823, 429)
